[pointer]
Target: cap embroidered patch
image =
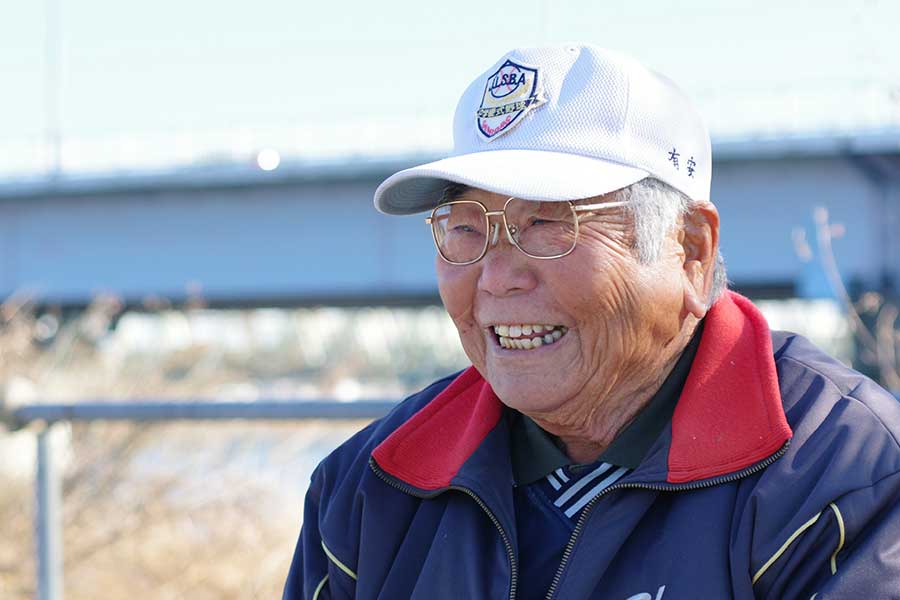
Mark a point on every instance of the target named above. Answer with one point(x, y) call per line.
point(510, 92)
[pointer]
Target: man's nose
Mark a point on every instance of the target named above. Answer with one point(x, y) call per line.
point(505, 270)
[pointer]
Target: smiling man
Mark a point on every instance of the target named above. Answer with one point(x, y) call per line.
point(628, 429)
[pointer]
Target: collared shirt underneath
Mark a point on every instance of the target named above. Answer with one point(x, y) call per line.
point(551, 492)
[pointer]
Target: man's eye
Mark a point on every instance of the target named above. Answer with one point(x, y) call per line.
point(463, 229)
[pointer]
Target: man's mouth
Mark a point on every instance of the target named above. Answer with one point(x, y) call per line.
point(528, 337)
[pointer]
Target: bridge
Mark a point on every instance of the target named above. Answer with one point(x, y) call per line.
point(306, 232)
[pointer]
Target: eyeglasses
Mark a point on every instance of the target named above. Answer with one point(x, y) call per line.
point(544, 230)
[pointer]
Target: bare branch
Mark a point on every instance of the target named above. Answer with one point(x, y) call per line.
point(879, 348)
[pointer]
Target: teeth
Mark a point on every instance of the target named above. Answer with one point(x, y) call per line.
point(518, 337)
point(524, 343)
point(522, 329)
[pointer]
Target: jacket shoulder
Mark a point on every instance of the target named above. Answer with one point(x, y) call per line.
point(825, 505)
point(343, 483)
point(376, 432)
point(845, 431)
point(348, 464)
point(814, 384)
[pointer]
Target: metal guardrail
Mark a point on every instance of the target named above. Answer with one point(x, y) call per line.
point(198, 411)
point(48, 536)
point(47, 486)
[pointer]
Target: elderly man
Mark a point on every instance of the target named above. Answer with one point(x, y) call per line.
point(628, 428)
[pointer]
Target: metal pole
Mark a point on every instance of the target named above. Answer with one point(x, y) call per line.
point(47, 520)
point(137, 411)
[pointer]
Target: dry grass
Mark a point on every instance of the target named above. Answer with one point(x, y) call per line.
point(174, 511)
point(190, 510)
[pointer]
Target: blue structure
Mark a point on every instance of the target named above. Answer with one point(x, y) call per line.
point(307, 233)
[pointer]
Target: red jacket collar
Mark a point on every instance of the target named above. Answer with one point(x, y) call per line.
point(729, 415)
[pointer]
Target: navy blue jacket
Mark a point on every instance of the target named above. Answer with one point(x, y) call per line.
point(778, 477)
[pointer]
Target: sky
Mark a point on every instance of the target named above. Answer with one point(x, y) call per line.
point(126, 84)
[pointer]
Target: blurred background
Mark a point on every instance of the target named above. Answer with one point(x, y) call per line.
point(186, 214)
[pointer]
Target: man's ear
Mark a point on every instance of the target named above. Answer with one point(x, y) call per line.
point(700, 242)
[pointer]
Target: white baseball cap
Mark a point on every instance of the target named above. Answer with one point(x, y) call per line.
point(563, 123)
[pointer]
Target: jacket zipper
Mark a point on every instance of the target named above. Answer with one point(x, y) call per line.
point(408, 489)
point(672, 487)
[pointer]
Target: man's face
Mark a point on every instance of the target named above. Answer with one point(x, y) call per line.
point(609, 316)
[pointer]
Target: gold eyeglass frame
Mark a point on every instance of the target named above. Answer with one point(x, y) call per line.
point(490, 240)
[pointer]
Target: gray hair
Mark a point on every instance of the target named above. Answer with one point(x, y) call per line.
point(655, 207)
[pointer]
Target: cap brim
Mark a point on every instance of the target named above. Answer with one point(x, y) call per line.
point(529, 174)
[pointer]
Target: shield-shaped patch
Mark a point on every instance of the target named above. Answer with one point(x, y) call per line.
point(510, 92)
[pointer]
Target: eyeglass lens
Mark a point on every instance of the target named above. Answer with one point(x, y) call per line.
point(539, 229)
